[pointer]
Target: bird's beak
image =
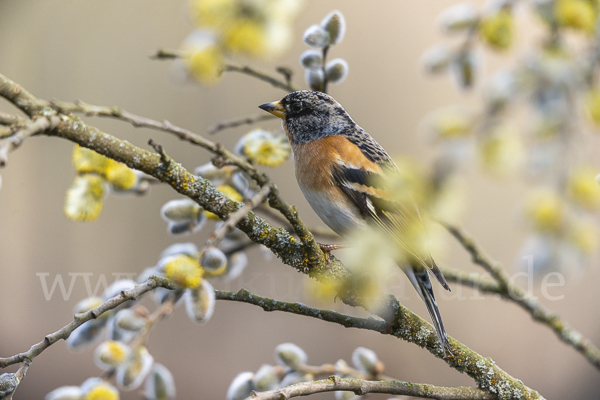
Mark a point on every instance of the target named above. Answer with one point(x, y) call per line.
point(274, 108)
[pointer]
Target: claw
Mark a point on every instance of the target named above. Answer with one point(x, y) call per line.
point(328, 248)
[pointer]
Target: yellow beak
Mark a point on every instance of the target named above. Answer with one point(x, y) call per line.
point(274, 108)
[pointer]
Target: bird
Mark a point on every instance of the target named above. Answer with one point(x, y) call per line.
point(336, 164)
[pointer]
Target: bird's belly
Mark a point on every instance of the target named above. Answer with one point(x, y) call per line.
point(340, 216)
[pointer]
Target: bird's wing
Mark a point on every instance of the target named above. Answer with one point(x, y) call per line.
point(360, 185)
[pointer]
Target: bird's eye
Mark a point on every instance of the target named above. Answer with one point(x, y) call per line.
point(296, 107)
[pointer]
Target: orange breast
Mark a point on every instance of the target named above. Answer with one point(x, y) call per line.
point(314, 160)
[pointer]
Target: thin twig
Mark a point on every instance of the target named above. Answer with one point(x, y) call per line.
point(163, 54)
point(525, 300)
point(234, 123)
point(79, 319)
point(263, 76)
point(362, 387)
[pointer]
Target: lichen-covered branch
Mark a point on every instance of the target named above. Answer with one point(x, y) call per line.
point(304, 255)
point(514, 293)
point(362, 387)
point(237, 216)
point(224, 157)
point(64, 332)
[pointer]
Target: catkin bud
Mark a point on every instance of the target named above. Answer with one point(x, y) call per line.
point(85, 198)
point(315, 78)
point(117, 287)
point(111, 354)
point(65, 393)
point(365, 360)
point(132, 373)
point(436, 59)
point(295, 377)
point(132, 320)
point(336, 70)
point(335, 25)
point(216, 176)
point(458, 17)
point(200, 302)
point(316, 36)
point(160, 384)
point(290, 355)
point(464, 67)
point(188, 249)
point(182, 270)
point(311, 59)
point(88, 333)
point(89, 303)
point(266, 378)
point(8, 384)
point(236, 263)
point(101, 390)
point(240, 387)
point(213, 260)
point(113, 332)
point(180, 210)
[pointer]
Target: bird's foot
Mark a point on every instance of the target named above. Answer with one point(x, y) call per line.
point(328, 248)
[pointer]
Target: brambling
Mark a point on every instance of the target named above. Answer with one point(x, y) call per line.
point(336, 162)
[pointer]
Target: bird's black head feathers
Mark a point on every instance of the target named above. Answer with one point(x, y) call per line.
point(313, 115)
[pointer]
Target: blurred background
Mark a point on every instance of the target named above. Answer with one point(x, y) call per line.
point(99, 52)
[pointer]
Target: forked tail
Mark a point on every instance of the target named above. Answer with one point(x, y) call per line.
point(420, 280)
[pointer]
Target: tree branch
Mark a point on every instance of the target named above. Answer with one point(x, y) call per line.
point(79, 319)
point(306, 256)
point(514, 293)
point(362, 387)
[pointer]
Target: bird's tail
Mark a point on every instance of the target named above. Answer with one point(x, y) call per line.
point(420, 280)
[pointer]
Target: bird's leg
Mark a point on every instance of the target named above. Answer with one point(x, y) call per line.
point(328, 248)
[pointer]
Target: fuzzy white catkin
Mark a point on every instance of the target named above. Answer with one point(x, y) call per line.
point(458, 17)
point(311, 59)
point(200, 302)
point(335, 25)
point(336, 70)
point(365, 360)
point(212, 258)
point(465, 68)
point(315, 78)
point(129, 320)
point(87, 334)
point(8, 384)
point(316, 36)
point(240, 387)
point(159, 384)
point(436, 59)
point(65, 393)
point(131, 374)
point(188, 249)
point(180, 210)
point(265, 378)
point(290, 355)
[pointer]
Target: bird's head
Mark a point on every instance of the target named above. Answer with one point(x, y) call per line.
point(309, 115)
